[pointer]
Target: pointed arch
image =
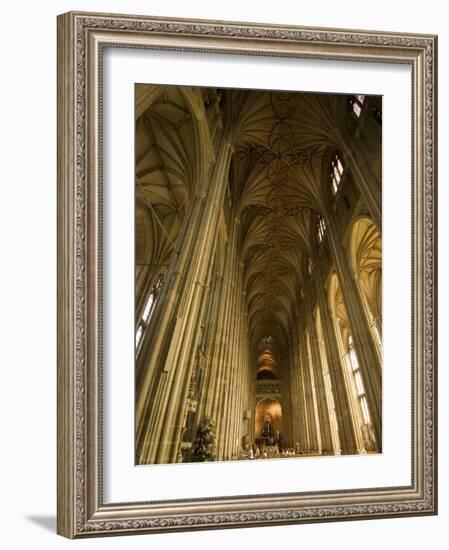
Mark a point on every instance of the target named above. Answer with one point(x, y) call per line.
point(365, 255)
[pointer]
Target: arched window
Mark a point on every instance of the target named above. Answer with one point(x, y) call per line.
point(321, 228)
point(360, 388)
point(148, 310)
point(357, 102)
point(266, 340)
point(336, 173)
point(360, 412)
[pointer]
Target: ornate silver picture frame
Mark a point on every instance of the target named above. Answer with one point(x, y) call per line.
point(82, 509)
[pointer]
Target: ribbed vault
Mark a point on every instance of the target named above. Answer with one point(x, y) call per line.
point(280, 140)
point(276, 176)
point(257, 280)
point(165, 166)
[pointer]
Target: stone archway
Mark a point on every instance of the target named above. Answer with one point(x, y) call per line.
point(366, 264)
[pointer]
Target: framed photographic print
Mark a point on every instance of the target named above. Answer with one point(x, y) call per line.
point(247, 274)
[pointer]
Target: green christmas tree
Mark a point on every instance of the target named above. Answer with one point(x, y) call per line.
point(204, 449)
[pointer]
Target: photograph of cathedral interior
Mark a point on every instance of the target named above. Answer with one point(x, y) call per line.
point(258, 255)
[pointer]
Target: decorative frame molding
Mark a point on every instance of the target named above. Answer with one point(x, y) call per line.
point(81, 38)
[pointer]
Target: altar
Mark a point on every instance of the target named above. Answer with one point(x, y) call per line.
point(269, 440)
point(269, 445)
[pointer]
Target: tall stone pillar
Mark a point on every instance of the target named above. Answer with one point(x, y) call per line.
point(234, 405)
point(211, 323)
point(366, 176)
point(348, 431)
point(291, 385)
point(238, 387)
point(327, 446)
point(298, 396)
point(243, 389)
point(179, 416)
point(333, 425)
point(288, 437)
point(161, 392)
point(229, 360)
point(313, 427)
point(250, 404)
point(365, 346)
point(222, 351)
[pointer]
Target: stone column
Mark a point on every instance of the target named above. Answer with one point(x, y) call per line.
point(348, 431)
point(210, 334)
point(364, 344)
point(323, 411)
point(366, 177)
point(287, 409)
point(231, 365)
point(221, 351)
point(313, 427)
point(160, 389)
point(333, 424)
point(249, 377)
point(242, 382)
point(239, 386)
point(232, 416)
point(180, 415)
point(300, 432)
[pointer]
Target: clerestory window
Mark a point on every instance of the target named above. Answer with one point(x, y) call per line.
point(148, 310)
point(360, 388)
point(321, 229)
point(357, 102)
point(336, 173)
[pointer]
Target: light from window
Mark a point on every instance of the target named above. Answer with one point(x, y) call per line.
point(266, 340)
point(321, 228)
point(148, 309)
point(358, 382)
point(139, 333)
point(339, 165)
point(357, 103)
point(364, 406)
point(336, 174)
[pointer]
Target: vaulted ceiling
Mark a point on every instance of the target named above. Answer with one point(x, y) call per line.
point(280, 141)
point(276, 178)
point(165, 161)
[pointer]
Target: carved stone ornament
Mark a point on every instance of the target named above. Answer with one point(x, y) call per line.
point(81, 39)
